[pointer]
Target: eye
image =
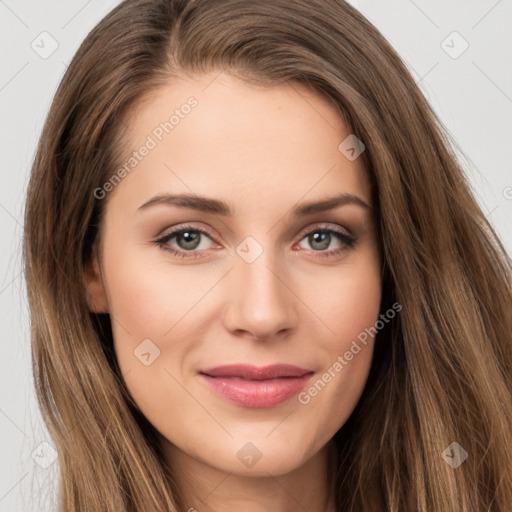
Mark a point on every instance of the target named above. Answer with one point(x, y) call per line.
point(321, 238)
point(187, 239)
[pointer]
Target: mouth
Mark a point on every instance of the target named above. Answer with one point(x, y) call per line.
point(254, 387)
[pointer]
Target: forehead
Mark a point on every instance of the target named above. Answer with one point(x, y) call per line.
point(216, 135)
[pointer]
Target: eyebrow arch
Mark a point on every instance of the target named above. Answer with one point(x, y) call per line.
point(216, 206)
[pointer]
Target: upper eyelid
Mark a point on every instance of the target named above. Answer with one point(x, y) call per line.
point(321, 226)
point(173, 231)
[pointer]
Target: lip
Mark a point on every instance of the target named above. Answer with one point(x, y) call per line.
point(256, 387)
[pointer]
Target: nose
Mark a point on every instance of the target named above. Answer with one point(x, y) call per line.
point(261, 305)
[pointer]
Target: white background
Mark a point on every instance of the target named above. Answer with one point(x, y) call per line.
point(472, 94)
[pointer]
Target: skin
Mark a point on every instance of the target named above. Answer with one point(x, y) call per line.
point(262, 150)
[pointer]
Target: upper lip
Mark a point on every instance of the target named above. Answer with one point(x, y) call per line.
point(250, 372)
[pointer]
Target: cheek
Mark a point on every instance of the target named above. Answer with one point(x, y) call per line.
point(151, 299)
point(350, 308)
point(349, 301)
point(154, 328)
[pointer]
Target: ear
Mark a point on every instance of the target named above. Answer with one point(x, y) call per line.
point(96, 296)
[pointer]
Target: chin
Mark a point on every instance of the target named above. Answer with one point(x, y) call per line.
point(274, 463)
point(259, 456)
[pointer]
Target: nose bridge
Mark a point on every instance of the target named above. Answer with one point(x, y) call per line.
point(260, 302)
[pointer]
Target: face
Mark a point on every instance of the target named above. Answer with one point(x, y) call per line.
point(253, 276)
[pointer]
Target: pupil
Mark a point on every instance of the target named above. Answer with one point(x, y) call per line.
point(191, 240)
point(322, 238)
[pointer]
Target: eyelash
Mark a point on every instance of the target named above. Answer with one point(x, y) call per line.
point(348, 241)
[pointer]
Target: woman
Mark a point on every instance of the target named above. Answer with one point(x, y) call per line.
point(257, 276)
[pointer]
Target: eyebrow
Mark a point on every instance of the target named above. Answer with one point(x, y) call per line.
point(210, 205)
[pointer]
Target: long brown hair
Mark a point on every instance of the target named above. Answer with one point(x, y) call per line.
point(442, 370)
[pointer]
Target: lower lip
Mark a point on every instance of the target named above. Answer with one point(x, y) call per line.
point(252, 393)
